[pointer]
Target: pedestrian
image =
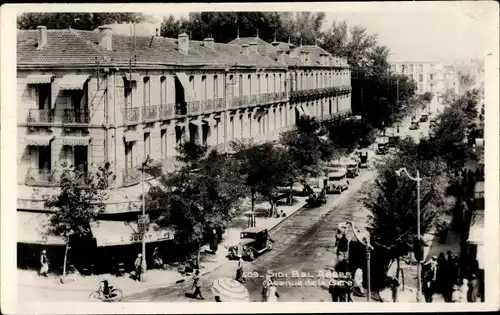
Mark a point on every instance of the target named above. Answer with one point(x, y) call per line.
point(265, 288)
point(440, 274)
point(449, 277)
point(358, 281)
point(157, 261)
point(456, 295)
point(463, 291)
point(473, 289)
point(239, 271)
point(44, 264)
point(272, 294)
point(477, 175)
point(138, 267)
point(197, 285)
point(342, 247)
point(395, 290)
point(427, 290)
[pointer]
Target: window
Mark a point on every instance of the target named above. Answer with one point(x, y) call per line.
point(420, 78)
point(129, 158)
point(240, 85)
point(411, 76)
point(43, 92)
point(191, 81)
point(411, 68)
point(44, 158)
point(203, 88)
point(420, 68)
point(163, 139)
point(216, 87)
point(249, 84)
point(147, 144)
point(258, 84)
point(147, 91)
point(420, 87)
point(432, 87)
point(163, 90)
point(267, 83)
point(403, 68)
point(431, 76)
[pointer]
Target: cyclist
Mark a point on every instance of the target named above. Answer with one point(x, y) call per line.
point(106, 289)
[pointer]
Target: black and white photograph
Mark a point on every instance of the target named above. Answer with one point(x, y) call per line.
point(329, 152)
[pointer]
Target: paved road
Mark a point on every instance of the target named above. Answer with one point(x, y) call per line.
point(304, 243)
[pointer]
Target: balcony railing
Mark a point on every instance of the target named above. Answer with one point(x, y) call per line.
point(219, 103)
point(150, 113)
point(207, 105)
point(181, 109)
point(131, 115)
point(167, 111)
point(76, 116)
point(40, 116)
point(194, 107)
point(42, 177)
point(131, 176)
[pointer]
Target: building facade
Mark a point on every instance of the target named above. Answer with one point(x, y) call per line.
point(429, 76)
point(90, 97)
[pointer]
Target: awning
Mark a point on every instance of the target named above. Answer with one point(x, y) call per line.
point(131, 136)
point(116, 233)
point(210, 121)
point(75, 141)
point(39, 140)
point(32, 228)
point(189, 92)
point(306, 111)
point(480, 256)
point(476, 232)
point(132, 77)
point(196, 122)
point(259, 113)
point(73, 81)
point(39, 78)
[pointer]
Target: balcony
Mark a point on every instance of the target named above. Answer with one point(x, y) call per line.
point(194, 107)
point(42, 177)
point(150, 113)
point(76, 117)
point(219, 104)
point(180, 109)
point(40, 116)
point(131, 115)
point(207, 105)
point(167, 111)
point(131, 176)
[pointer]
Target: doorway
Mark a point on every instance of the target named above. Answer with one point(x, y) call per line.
point(80, 156)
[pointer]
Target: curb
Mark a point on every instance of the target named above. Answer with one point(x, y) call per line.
point(287, 217)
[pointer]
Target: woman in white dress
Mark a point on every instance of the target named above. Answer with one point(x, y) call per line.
point(272, 294)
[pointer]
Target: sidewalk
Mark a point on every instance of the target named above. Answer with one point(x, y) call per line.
point(409, 291)
point(78, 288)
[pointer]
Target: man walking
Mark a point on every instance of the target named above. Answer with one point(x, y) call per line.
point(138, 267)
point(44, 264)
point(197, 285)
point(239, 271)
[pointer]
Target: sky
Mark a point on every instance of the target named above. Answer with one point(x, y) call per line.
point(419, 31)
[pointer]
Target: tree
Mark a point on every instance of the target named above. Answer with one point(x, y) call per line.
point(195, 202)
point(170, 27)
point(191, 153)
point(393, 199)
point(82, 21)
point(78, 203)
point(265, 167)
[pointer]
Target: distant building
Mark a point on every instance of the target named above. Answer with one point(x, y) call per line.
point(429, 76)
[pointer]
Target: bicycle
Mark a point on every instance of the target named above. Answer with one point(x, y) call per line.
point(115, 295)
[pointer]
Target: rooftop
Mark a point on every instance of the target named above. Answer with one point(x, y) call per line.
point(70, 47)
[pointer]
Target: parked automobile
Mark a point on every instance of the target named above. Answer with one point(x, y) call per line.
point(352, 168)
point(363, 159)
point(337, 181)
point(253, 241)
point(414, 125)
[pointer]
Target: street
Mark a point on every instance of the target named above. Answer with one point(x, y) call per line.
point(303, 243)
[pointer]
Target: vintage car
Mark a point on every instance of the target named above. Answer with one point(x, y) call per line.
point(253, 241)
point(352, 168)
point(363, 159)
point(381, 145)
point(414, 125)
point(337, 180)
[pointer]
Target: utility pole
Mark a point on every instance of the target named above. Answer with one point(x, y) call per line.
point(145, 221)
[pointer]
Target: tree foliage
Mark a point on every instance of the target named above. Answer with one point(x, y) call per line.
point(195, 202)
point(82, 21)
point(191, 153)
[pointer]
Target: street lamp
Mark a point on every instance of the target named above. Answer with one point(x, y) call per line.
point(146, 227)
point(417, 179)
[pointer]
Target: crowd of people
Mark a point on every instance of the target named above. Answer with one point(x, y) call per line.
point(441, 275)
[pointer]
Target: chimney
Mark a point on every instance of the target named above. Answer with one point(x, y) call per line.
point(281, 56)
point(42, 37)
point(246, 49)
point(183, 42)
point(209, 43)
point(106, 37)
point(253, 48)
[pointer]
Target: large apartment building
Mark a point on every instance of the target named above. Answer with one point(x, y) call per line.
point(90, 97)
point(429, 76)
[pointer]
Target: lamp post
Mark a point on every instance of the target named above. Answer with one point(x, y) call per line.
point(418, 180)
point(143, 200)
